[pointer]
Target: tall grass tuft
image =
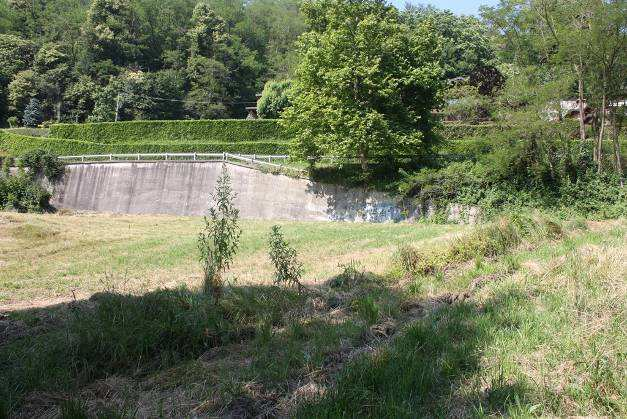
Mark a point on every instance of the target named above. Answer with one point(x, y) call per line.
point(489, 240)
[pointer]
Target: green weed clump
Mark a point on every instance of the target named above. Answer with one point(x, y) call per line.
point(22, 194)
point(43, 163)
point(287, 268)
point(219, 239)
point(489, 240)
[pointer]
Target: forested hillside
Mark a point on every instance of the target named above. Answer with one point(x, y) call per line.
point(154, 59)
point(174, 59)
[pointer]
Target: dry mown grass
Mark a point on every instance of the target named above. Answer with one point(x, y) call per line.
point(56, 257)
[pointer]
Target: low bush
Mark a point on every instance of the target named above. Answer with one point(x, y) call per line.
point(537, 166)
point(287, 269)
point(212, 131)
point(488, 240)
point(41, 162)
point(21, 193)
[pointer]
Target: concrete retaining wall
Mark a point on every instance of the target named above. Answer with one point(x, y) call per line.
point(183, 188)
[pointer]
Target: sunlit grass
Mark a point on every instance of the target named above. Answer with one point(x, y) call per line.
point(46, 256)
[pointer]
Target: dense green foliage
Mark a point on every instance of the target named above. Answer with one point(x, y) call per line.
point(155, 59)
point(276, 96)
point(466, 45)
point(365, 85)
point(43, 163)
point(21, 193)
point(15, 145)
point(214, 131)
point(536, 166)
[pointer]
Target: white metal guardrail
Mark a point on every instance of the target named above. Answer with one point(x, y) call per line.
point(275, 161)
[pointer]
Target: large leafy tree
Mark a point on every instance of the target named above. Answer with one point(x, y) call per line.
point(53, 66)
point(111, 32)
point(276, 96)
point(466, 44)
point(366, 85)
point(221, 69)
point(25, 86)
point(16, 54)
point(207, 74)
point(557, 41)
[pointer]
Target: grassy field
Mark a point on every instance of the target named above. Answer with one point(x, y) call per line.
point(522, 317)
point(52, 257)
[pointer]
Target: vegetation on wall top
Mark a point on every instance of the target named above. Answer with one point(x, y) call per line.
point(219, 130)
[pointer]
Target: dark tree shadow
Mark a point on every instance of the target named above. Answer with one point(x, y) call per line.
point(286, 335)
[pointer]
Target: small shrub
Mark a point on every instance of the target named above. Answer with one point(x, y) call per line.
point(367, 309)
point(276, 96)
point(352, 274)
point(219, 239)
point(12, 121)
point(287, 269)
point(408, 258)
point(22, 194)
point(42, 162)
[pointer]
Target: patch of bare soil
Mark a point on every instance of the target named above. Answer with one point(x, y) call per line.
point(40, 303)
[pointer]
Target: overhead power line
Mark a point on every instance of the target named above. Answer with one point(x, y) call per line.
point(192, 101)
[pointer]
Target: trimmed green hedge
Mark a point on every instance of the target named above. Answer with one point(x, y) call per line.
point(215, 131)
point(211, 131)
point(16, 145)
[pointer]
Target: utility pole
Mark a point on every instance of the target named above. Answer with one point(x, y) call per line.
point(117, 107)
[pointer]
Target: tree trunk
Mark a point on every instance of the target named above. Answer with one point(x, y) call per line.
point(599, 145)
point(582, 123)
point(363, 160)
point(616, 145)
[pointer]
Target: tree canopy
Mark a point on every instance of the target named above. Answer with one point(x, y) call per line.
point(156, 58)
point(365, 84)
